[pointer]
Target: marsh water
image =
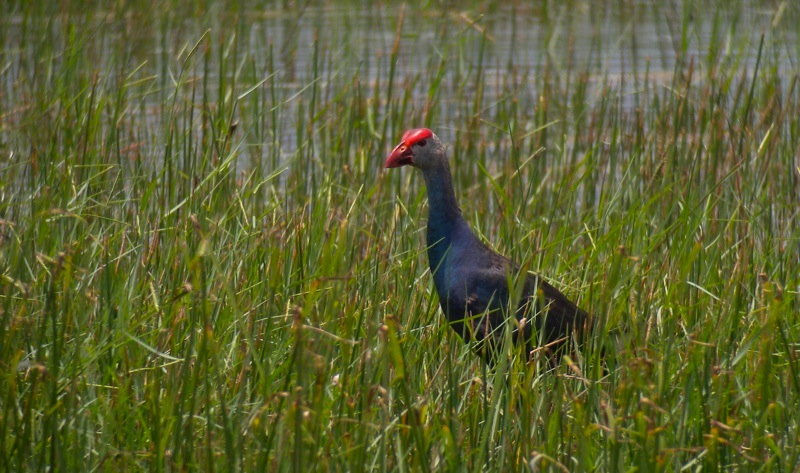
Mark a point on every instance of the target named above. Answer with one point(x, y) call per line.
point(419, 47)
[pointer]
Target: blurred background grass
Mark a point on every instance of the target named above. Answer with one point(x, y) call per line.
point(205, 267)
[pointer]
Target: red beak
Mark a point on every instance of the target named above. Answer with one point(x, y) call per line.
point(400, 156)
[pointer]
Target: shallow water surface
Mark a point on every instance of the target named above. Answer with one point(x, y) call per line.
point(446, 55)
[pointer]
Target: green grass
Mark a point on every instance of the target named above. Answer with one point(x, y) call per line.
point(204, 267)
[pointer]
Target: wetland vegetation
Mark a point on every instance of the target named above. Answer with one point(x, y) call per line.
point(203, 265)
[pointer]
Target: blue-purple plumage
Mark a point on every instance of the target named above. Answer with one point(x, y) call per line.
point(473, 281)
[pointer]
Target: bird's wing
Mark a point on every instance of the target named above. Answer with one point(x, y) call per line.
point(477, 300)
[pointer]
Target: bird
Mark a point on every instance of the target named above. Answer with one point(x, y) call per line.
point(476, 285)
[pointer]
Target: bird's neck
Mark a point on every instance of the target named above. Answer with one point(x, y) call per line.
point(444, 217)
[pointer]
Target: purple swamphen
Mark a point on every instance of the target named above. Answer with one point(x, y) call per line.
point(474, 283)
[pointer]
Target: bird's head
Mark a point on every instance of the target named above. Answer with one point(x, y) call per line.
point(418, 147)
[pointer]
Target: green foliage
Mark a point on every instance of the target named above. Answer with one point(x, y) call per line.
point(204, 267)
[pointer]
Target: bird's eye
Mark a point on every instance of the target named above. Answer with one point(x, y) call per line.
point(422, 143)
